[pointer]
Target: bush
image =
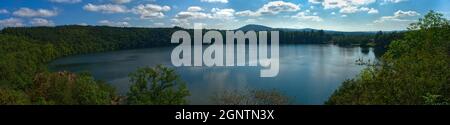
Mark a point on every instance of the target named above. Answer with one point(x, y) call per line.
point(250, 97)
point(12, 97)
point(64, 88)
point(156, 86)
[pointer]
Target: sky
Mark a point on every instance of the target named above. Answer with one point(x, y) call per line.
point(340, 15)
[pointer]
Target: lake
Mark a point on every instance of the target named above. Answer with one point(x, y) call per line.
point(308, 73)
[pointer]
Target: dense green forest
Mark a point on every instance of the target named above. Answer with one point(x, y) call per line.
point(25, 79)
point(415, 70)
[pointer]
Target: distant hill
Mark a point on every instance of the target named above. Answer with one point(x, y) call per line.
point(116, 38)
point(255, 27)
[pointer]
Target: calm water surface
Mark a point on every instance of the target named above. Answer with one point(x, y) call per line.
point(308, 73)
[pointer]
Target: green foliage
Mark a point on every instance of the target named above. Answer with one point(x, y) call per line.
point(431, 99)
point(10, 96)
point(64, 88)
point(413, 70)
point(156, 86)
point(24, 78)
point(251, 97)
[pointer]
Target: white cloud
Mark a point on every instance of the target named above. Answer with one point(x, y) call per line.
point(41, 22)
point(106, 8)
point(27, 12)
point(215, 1)
point(273, 7)
point(3, 11)
point(306, 17)
point(185, 18)
point(223, 14)
point(354, 9)
point(372, 11)
point(344, 16)
point(392, 1)
point(401, 13)
point(216, 13)
point(349, 9)
point(65, 1)
point(11, 22)
point(194, 9)
point(345, 6)
point(149, 11)
point(315, 1)
point(276, 7)
point(398, 16)
point(192, 15)
point(247, 13)
point(121, 1)
point(112, 23)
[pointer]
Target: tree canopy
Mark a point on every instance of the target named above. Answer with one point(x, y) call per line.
point(414, 70)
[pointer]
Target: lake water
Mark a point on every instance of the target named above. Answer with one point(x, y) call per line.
point(308, 73)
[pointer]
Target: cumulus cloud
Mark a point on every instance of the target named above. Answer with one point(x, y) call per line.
point(41, 22)
point(65, 1)
point(215, 1)
point(3, 11)
point(216, 13)
point(273, 7)
point(11, 22)
point(149, 11)
point(27, 12)
point(194, 9)
point(247, 13)
point(106, 8)
point(304, 16)
point(354, 9)
point(223, 14)
point(183, 15)
point(315, 1)
point(121, 1)
point(184, 18)
point(112, 23)
point(372, 11)
point(392, 1)
point(398, 16)
point(346, 6)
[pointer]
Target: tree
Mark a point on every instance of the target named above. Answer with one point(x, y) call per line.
point(156, 86)
point(65, 88)
point(414, 70)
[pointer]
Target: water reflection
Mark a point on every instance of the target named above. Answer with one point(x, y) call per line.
point(308, 73)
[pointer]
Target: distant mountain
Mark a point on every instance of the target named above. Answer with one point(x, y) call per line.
point(255, 27)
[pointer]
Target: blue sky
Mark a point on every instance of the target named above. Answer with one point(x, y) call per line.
point(342, 15)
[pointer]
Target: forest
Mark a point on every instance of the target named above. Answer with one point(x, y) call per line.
point(414, 70)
